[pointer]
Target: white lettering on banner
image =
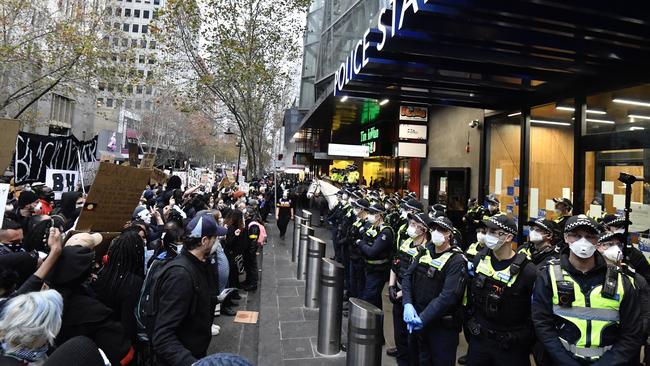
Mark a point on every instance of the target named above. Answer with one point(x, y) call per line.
point(61, 181)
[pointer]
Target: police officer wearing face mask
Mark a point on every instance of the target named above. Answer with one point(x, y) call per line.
point(392, 214)
point(343, 236)
point(634, 258)
point(493, 206)
point(409, 207)
point(335, 218)
point(499, 299)
point(563, 208)
point(376, 248)
point(407, 253)
point(541, 247)
point(479, 244)
point(433, 290)
point(357, 267)
point(586, 312)
point(472, 219)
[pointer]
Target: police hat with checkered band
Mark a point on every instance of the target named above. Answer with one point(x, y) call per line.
point(420, 218)
point(546, 225)
point(615, 220)
point(581, 221)
point(362, 204)
point(563, 201)
point(412, 204)
point(605, 237)
point(376, 208)
point(501, 222)
point(357, 194)
point(442, 223)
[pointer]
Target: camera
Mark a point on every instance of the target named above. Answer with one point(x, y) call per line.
point(474, 123)
point(628, 178)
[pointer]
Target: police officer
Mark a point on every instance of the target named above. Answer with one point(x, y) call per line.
point(479, 244)
point(357, 267)
point(440, 210)
point(632, 256)
point(499, 299)
point(341, 220)
point(585, 312)
point(376, 248)
point(417, 233)
point(333, 218)
point(493, 207)
point(408, 207)
point(433, 292)
point(541, 247)
point(563, 209)
point(472, 218)
point(392, 214)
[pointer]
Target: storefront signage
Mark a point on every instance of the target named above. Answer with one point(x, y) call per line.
point(368, 137)
point(358, 57)
point(412, 113)
point(360, 151)
point(412, 132)
point(410, 150)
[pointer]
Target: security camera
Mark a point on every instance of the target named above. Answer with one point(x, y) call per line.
point(475, 123)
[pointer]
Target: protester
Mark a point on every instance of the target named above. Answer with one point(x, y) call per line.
point(28, 326)
point(284, 213)
point(187, 297)
point(11, 236)
point(235, 244)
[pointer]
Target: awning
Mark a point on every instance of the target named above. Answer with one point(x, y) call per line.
point(494, 54)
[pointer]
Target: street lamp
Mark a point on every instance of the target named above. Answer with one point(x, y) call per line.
point(239, 145)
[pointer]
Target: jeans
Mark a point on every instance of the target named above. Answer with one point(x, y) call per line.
point(222, 267)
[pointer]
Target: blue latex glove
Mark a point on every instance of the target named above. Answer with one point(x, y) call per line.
point(409, 313)
point(416, 324)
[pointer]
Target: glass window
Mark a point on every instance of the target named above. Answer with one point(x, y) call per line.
point(109, 103)
point(152, 45)
point(125, 27)
point(138, 104)
point(135, 28)
point(503, 163)
point(125, 42)
point(127, 12)
point(551, 157)
point(147, 105)
point(621, 110)
point(118, 11)
point(145, 28)
point(145, 14)
point(138, 89)
point(127, 104)
point(149, 90)
point(141, 59)
point(136, 13)
point(143, 43)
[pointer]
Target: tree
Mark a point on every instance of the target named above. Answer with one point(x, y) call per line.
point(46, 44)
point(244, 59)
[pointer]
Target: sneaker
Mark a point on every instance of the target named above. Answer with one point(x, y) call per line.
point(215, 329)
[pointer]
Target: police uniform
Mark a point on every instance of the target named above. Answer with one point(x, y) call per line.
point(547, 254)
point(356, 267)
point(561, 221)
point(376, 248)
point(586, 318)
point(499, 305)
point(473, 218)
point(406, 254)
point(434, 285)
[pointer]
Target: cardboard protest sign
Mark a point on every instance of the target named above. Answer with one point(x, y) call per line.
point(224, 183)
point(9, 129)
point(158, 176)
point(113, 197)
point(107, 158)
point(61, 181)
point(102, 248)
point(148, 161)
point(4, 191)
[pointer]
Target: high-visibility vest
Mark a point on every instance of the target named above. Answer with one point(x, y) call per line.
point(590, 314)
point(505, 275)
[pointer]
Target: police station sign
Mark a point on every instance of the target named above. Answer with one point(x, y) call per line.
point(358, 57)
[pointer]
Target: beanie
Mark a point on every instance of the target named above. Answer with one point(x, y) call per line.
point(26, 198)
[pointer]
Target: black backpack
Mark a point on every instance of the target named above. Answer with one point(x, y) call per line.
point(147, 307)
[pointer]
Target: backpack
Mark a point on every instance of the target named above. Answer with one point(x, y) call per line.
point(262, 238)
point(147, 306)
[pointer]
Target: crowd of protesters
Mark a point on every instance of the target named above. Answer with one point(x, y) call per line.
point(151, 299)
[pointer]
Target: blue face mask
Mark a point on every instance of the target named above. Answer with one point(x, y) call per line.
point(30, 355)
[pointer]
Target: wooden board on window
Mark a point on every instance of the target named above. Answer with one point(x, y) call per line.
point(10, 128)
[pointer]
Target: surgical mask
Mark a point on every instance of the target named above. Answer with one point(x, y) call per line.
point(620, 231)
point(480, 237)
point(493, 208)
point(437, 238)
point(493, 242)
point(404, 214)
point(412, 231)
point(582, 248)
point(387, 206)
point(372, 219)
point(179, 247)
point(535, 237)
point(613, 254)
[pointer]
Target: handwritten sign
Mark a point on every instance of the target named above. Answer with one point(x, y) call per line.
point(113, 197)
point(88, 172)
point(10, 129)
point(158, 176)
point(61, 181)
point(148, 160)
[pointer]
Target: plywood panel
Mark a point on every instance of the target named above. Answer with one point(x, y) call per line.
point(551, 162)
point(504, 155)
point(612, 173)
point(590, 177)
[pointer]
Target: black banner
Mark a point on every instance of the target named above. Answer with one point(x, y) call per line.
point(36, 153)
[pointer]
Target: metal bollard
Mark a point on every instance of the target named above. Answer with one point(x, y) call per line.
point(297, 221)
point(331, 307)
point(305, 232)
point(365, 334)
point(315, 251)
point(306, 214)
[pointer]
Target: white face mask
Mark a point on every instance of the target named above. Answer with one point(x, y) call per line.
point(493, 242)
point(412, 231)
point(437, 238)
point(613, 254)
point(620, 230)
point(404, 214)
point(179, 247)
point(372, 219)
point(535, 237)
point(145, 216)
point(387, 206)
point(582, 248)
point(480, 237)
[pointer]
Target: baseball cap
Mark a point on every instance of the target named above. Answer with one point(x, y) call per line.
point(581, 221)
point(501, 222)
point(204, 225)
